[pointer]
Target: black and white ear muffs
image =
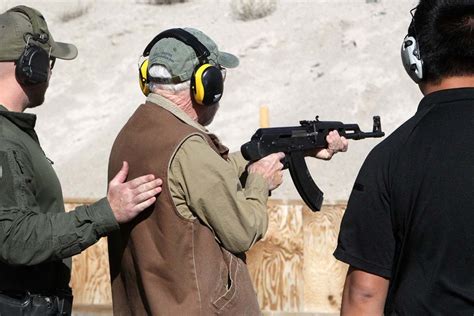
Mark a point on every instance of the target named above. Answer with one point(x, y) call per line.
point(411, 55)
point(411, 58)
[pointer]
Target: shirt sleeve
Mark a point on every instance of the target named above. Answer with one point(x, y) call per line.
point(238, 162)
point(366, 240)
point(207, 185)
point(30, 235)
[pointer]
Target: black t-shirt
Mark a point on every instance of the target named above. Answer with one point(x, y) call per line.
point(410, 216)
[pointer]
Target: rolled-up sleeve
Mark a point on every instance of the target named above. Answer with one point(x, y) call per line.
point(209, 187)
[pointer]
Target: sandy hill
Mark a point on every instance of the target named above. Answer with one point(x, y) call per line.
point(336, 59)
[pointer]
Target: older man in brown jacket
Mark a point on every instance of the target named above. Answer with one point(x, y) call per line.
point(185, 255)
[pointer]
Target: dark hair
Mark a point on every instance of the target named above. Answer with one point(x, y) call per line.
point(445, 32)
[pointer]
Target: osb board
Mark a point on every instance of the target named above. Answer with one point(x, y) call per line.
point(90, 278)
point(276, 262)
point(292, 268)
point(323, 275)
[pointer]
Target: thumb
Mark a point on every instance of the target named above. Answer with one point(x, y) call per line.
point(121, 176)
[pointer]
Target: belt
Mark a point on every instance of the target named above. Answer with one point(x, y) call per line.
point(15, 303)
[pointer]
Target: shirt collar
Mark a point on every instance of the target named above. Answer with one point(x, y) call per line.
point(448, 95)
point(173, 108)
point(25, 121)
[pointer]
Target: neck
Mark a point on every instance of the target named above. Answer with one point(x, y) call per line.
point(12, 95)
point(448, 83)
point(182, 100)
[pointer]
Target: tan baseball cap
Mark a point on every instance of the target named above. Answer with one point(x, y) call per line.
point(21, 24)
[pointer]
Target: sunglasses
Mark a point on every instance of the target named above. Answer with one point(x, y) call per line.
point(223, 72)
point(52, 61)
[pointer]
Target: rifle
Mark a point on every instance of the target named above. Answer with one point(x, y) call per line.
point(295, 142)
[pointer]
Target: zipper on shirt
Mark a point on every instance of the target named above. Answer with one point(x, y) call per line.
point(20, 165)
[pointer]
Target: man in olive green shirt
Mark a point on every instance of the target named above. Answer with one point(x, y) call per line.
point(37, 237)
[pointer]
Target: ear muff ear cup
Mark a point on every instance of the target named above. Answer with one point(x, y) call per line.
point(207, 84)
point(411, 58)
point(143, 75)
point(33, 66)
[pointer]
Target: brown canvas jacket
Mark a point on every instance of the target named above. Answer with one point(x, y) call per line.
point(162, 263)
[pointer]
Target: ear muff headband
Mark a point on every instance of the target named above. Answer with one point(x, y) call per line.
point(206, 80)
point(182, 35)
point(32, 67)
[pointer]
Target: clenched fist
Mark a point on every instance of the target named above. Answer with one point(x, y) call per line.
point(336, 143)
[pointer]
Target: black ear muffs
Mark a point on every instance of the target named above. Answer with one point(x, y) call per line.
point(32, 67)
point(411, 55)
point(207, 82)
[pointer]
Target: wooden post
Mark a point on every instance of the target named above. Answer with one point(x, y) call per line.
point(264, 117)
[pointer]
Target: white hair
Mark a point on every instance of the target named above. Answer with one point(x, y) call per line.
point(160, 72)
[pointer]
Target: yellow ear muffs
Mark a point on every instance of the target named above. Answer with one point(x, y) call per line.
point(198, 86)
point(207, 84)
point(143, 75)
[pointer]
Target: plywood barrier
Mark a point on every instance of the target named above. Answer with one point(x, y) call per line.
point(292, 268)
point(323, 275)
point(90, 279)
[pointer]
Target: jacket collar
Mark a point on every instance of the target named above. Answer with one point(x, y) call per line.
point(448, 95)
point(24, 121)
point(173, 108)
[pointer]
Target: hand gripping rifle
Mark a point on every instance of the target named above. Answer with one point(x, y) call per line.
point(295, 142)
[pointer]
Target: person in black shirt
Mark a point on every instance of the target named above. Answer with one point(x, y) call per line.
point(408, 231)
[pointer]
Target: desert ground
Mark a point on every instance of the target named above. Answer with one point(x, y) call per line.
point(336, 59)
